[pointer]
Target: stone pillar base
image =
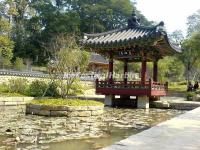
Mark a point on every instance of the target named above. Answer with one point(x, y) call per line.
point(143, 102)
point(109, 100)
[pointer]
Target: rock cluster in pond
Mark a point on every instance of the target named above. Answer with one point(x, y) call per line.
point(61, 111)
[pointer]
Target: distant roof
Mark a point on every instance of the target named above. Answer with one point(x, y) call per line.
point(96, 58)
point(134, 35)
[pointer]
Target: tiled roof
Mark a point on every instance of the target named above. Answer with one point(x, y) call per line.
point(96, 58)
point(134, 34)
point(116, 36)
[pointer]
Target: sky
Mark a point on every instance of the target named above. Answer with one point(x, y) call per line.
point(174, 13)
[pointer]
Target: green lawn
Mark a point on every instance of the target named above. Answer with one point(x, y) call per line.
point(11, 95)
point(175, 87)
point(4, 92)
point(66, 102)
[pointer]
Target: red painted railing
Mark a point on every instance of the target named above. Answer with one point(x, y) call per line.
point(151, 85)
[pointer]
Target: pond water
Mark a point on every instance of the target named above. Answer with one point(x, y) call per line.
point(20, 131)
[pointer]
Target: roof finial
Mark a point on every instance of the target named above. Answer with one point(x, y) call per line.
point(134, 21)
point(160, 26)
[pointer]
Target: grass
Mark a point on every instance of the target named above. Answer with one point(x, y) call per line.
point(176, 87)
point(4, 92)
point(11, 95)
point(66, 102)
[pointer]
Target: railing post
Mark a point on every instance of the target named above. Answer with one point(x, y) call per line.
point(150, 84)
point(110, 71)
point(125, 72)
point(97, 82)
point(144, 69)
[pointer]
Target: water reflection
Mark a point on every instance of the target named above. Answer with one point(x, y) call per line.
point(36, 132)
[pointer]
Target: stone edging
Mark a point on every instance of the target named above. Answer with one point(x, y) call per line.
point(13, 101)
point(60, 111)
point(179, 105)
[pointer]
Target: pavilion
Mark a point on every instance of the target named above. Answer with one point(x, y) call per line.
point(134, 43)
point(97, 63)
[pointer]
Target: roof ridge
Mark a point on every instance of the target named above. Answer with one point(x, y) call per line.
point(104, 33)
point(154, 27)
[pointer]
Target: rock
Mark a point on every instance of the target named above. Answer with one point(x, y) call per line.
point(34, 106)
point(196, 97)
point(75, 108)
point(84, 113)
point(73, 114)
point(40, 112)
point(8, 130)
point(95, 107)
point(97, 112)
point(166, 104)
point(58, 113)
point(97, 146)
point(17, 139)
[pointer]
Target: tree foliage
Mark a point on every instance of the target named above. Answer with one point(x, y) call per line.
point(36, 22)
point(193, 23)
point(18, 64)
point(177, 36)
point(191, 54)
point(6, 44)
point(68, 61)
point(171, 69)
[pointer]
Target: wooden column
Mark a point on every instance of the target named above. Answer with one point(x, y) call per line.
point(110, 74)
point(155, 71)
point(144, 69)
point(125, 72)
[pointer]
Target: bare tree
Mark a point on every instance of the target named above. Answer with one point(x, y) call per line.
point(67, 61)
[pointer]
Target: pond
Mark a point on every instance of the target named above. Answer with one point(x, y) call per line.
point(36, 132)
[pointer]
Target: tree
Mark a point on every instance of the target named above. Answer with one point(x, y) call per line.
point(177, 36)
point(103, 15)
point(18, 13)
point(193, 23)
point(6, 44)
point(191, 54)
point(19, 65)
point(35, 22)
point(67, 61)
point(170, 68)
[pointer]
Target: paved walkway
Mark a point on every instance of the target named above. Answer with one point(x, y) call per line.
point(179, 133)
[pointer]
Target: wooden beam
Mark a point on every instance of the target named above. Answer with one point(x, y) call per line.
point(110, 72)
point(155, 71)
point(144, 69)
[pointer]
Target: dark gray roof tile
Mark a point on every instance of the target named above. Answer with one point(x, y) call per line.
point(134, 34)
point(96, 58)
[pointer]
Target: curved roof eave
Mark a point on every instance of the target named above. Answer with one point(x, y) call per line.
point(174, 47)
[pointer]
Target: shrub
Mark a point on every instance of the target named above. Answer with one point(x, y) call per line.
point(5, 63)
point(197, 92)
point(53, 90)
point(17, 86)
point(4, 88)
point(19, 65)
point(76, 88)
point(190, 95)
point(37, 88)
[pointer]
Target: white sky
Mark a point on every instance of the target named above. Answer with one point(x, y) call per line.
point(173, 12)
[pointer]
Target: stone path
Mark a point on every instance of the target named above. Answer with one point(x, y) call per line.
point(179, 133)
